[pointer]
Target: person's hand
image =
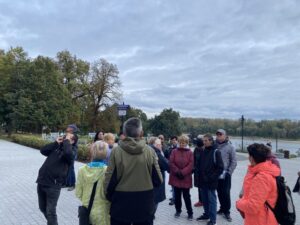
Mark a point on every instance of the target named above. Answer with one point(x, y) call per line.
point(241, 212)
point(59, 140)
point(69, 137)
point(299, 173)
point(179, 175)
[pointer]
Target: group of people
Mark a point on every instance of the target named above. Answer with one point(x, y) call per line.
point(128, 179)
point(212, 164)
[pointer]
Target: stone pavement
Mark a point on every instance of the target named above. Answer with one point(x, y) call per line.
point(18, 199)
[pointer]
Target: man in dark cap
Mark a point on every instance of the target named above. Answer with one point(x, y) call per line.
point(53, 173)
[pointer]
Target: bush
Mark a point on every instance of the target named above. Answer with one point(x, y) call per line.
point(83, 153)
point(37, 143)
point(29, 140)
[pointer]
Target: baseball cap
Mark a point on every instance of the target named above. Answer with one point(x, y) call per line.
point(221, 131)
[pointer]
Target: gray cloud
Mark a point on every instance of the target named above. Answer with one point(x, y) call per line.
point(202, 58)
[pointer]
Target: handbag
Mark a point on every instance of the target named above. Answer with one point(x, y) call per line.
point(297, 186)
point(84, 212)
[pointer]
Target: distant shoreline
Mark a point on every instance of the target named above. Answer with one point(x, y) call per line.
point(265, 139)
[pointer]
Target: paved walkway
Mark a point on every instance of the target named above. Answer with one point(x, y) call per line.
point(18, 199)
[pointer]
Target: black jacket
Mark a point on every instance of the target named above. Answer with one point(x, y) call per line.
point(55, 168)
point(160, 192)
point(209, 168)
point(168, 151)
point(197, 153)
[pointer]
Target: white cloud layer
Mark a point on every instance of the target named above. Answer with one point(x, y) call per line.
point(202, 58)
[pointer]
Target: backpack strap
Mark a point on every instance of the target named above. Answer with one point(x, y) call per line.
point(92, 198)
point(269, 206)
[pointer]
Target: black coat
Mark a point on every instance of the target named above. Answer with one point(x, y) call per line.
point(160, 192)
point(168, 151)
point(210, 167)
point(197, 152)
point(54, 170)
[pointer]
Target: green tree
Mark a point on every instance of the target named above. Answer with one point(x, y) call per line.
point(166, 123)
point(102, 86)
point(14, 65)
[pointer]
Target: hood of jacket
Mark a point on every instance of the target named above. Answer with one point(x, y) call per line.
point(265, 167)
point(93, 173)
point(221, 144)
point(133, 146)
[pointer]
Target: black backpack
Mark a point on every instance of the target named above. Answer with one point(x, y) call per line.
point(284, 209)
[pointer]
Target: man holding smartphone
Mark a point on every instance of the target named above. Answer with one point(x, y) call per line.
point(53, 173)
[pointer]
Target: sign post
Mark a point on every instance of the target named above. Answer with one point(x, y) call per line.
point(242, 121)
point(122, 111)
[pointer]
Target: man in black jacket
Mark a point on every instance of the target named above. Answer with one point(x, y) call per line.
point(53, 173)
point(210, 167)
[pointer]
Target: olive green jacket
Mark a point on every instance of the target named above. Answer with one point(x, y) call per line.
point(132, 173)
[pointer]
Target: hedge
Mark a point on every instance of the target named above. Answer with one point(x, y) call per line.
point(37, 143)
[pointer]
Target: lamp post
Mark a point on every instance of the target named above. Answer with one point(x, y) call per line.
point(122, 111)
point(276, 142)
point(242, 121)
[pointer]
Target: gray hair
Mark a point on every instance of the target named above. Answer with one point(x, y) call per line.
point(133, 127)
point(152, 140)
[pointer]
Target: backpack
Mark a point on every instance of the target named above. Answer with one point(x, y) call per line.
point(284, 209)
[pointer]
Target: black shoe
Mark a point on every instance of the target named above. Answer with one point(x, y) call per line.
point(190, 217)
point(71, 188)
point(171, 202)
point(220, 212)
point(203, 218)
point(228, 217)
point(211, 223)
point(177, 215)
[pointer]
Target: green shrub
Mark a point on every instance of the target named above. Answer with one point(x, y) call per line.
point(37, 143)
point(29, 140)
point(83, 153)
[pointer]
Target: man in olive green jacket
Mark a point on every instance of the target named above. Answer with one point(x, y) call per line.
point(132, 173)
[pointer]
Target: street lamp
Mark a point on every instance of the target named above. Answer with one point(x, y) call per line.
point(122, 111)
point(242, 121)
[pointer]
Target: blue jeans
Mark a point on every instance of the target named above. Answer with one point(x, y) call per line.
point(71, 179)
point(209, 200)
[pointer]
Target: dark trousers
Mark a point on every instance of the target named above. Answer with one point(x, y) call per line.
point(199, 195)
point(71, 179)
point(209, 198)
point(155, 208)
point(187, 199)
point(48, 197)
point(116, 222)
point(224, 186)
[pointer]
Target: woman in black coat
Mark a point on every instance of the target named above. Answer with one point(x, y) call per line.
point(197, 151)
point(160, 192)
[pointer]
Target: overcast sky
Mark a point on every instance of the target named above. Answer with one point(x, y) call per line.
point(202, 58)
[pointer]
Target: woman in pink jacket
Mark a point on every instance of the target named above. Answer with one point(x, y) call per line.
point(259, 188)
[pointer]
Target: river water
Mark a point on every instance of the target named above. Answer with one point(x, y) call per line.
point(292, 146)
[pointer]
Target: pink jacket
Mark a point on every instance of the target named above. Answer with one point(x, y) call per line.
point(181, 159)
point(259, 187)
